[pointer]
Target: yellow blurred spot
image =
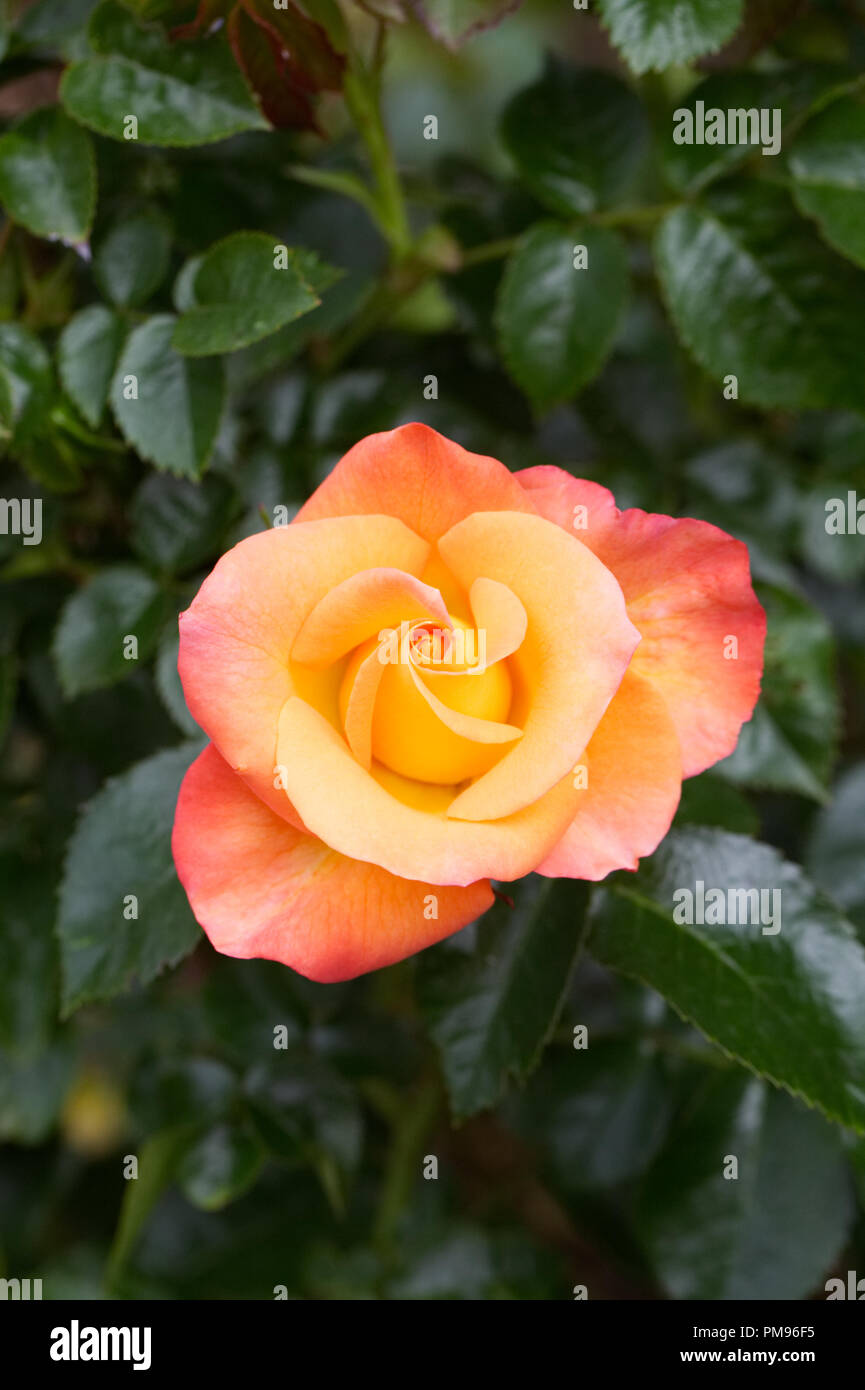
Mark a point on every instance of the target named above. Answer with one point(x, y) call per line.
point(93, 1118)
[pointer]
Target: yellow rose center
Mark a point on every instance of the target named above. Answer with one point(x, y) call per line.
point(407, 735)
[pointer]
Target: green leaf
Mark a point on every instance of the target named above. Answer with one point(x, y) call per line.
point(49, 22)
point(131, 262)
point(709, 800)
point(787, 1003)
point(241, 295)
point(26, 382)
point(119, 861)
point(790, 743)
point(455, 21)
point(578, 138)
point(168, 683)
point(556, 323)
point(220, 1166)
point(690, 167)
point(87, 355)
point(491, 995)
point(754, 294)
point(175, 418)
point(598, 1114)
point(187, 93)
point(28, 960)
point(48, 175)
point(176, 523)
point(827, 161)
point(119, 602)
point(656, 34)
point(836, 848)
point(32, 1090)
point(772, 1231)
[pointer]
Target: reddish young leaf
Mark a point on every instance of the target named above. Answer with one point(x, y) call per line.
point(259, 58)
point(303, 45)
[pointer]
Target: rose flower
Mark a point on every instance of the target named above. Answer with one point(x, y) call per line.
point(442, 674)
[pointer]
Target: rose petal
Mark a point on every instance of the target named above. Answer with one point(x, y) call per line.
point(359, 608)
point(348, 809)
point(414, 473)
point(688, 589)
point(577, 648)
point(236, 635)
point(499, 613)
point(634, 770)
point(259, 887)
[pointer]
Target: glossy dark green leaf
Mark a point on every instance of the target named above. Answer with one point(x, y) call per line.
point(755, 294)
point(131, 261)
point(167, 406)
point(578, 138)
point(119, 863)
point(557, 322)
point(598, 1114)
point(181, 94)
point(176, 524)
point(786, 1002)
point(791, 89)
point(87, 356)
point(245, 288)
point(827, 161)
point(491, 995)
point(48, 175)
point(118, 603)
point(790, 742)
point(220, 1166)
point(655, 34)
point(749, 1199)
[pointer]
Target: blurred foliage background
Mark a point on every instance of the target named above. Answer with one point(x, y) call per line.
point(283, 1131)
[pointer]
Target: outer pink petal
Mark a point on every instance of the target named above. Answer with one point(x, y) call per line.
point(259, 887)
point(416, 474)
point(687, 585)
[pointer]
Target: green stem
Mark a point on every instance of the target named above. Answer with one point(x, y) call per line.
point(632, 217)
point(403, 1162)
point(363, 96)
point(489, 251)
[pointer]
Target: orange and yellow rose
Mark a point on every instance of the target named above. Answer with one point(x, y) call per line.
point(442, 674)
